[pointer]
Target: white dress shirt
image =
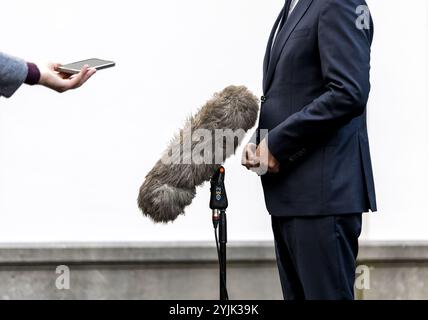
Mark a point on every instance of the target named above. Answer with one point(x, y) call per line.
point(292, 6)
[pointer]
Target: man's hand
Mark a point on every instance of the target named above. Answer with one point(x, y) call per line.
point(259, 159)
point(249, 157)
point(266, 158)
point(61, 82)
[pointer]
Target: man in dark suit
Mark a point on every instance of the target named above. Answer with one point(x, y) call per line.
point(316, 86)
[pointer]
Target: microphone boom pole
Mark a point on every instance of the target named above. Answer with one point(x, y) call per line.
point(218, 205)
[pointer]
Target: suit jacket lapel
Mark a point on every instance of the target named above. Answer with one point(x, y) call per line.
point(282, 38)
point(269, 46)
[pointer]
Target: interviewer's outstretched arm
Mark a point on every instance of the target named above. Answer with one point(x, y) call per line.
point(14, 72)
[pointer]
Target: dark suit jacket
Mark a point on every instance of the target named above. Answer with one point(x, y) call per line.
point(316, 86)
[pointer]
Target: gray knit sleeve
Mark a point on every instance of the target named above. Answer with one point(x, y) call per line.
point(13, 72)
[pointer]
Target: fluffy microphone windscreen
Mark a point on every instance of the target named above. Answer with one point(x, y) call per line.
point(197, 152)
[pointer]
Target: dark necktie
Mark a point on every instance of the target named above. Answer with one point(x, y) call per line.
point(285, 14)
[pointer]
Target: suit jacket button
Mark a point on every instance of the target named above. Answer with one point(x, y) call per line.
point(263, 99)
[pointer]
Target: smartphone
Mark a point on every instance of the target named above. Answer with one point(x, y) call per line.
point(75, 67)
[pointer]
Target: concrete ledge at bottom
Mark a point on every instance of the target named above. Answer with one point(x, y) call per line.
point(189, 271)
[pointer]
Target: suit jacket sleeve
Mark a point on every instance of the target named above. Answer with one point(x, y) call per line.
point(344, 53)
point(13, 72)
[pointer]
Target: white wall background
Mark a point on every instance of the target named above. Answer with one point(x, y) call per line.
point(71, 165)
